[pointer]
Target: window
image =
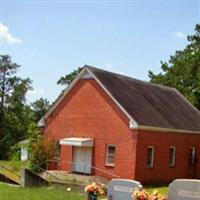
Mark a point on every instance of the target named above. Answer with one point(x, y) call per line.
point(192, 156)
point(110, 155)
point(57, 148)
point(172, 156)
point(150, 156)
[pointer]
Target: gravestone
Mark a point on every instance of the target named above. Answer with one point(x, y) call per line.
point(184, 189)
point(122, 189)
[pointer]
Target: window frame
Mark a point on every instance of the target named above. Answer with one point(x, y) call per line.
point(152, 156)
point(192, 161)
point(57, 150)
point(173, 156)
point(107, 155)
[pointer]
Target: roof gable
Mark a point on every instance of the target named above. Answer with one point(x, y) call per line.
point(84, 74)
point(151, 104)
point(145, 104)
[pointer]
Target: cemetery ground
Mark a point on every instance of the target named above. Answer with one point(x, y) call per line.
point(43, 193)
point(8, 192)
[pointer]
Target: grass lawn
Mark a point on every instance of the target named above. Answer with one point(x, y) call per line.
point(162, 190)
point(49, 193)
point(17, 193)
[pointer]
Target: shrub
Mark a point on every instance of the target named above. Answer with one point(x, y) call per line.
point(41, 150)
point(15, 153)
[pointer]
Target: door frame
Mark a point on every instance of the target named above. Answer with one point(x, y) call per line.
point(88, 166)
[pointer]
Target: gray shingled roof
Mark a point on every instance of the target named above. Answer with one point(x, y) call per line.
point(150, 104)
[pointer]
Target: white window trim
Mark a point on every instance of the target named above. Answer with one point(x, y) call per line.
point(174, 156)
point(152, 158)
point(107, 163)
point(193, 150)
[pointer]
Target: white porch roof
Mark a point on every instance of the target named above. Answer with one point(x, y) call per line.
point(75, 141)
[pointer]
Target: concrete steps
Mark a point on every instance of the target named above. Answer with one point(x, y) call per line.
point(8, 176)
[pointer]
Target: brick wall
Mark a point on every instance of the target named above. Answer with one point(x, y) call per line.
point(162, 172)
point(87, 111)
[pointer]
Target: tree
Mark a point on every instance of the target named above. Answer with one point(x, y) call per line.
point(182, 71)
point(40, 107)
point(41, 150)
point(68, 78)
point(33, 132)
point(15, 115)
point(7, 69)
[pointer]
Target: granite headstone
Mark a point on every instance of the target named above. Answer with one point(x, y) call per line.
point(122, 189)
point(184, 189)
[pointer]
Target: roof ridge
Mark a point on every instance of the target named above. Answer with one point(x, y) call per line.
point(131, 78)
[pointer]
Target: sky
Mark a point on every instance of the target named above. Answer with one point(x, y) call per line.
point(52, 38)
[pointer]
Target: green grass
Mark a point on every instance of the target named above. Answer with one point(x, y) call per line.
point(162, 190)
point(50, 193)
point(12, 193)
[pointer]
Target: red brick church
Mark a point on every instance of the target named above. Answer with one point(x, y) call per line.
point(107, 123)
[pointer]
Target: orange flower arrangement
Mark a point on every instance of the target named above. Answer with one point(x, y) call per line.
point(143, 195)
point(140, 195)
point(95, 189)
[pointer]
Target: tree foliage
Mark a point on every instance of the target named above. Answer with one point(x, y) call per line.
point(33, 132)
point(68, 78)
point(17, 118)
point(7, 81)
point(40, 107)
point(41, 150)
point(15, 115)
point(182, 71)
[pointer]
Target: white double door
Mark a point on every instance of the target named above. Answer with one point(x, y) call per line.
point(82, 159)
